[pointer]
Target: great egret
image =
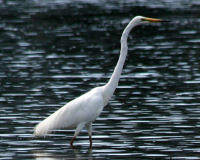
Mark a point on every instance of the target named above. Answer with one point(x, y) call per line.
point(82, 111)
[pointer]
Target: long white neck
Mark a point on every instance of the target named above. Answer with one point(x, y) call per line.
point(110, 87)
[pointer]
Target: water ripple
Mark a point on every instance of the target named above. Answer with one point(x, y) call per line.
point(52, 51)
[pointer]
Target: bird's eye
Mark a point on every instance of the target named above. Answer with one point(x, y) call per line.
point(142, 20)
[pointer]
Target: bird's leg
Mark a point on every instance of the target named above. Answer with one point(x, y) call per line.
point(78, 129)
point(72, 141)
point(90, 137)
point(89, 128)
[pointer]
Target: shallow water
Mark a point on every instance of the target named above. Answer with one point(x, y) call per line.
point(53, 51)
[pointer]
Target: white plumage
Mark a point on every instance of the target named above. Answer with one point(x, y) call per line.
point(82, 111)
point(79, 110)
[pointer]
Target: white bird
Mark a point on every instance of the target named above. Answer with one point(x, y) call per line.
point(84, 110)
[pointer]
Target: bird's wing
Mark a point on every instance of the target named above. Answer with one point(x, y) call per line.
point(83, 109)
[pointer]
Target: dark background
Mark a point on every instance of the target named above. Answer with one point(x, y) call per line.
point(52, 51)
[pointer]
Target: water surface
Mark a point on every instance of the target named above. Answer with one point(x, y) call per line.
point(53, 51)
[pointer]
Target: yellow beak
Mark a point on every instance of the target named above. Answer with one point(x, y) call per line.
point(154, 20)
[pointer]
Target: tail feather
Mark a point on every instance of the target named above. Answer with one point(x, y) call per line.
point(45, 127)
point(65, 117)
point(49, 124)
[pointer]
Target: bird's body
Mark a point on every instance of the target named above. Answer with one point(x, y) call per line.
point(78, 111)
point(82, 111)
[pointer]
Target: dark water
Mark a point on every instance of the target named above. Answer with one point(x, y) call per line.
point(53, 51)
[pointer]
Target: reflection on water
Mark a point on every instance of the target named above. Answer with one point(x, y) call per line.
point(53, 51)
point(73, 154)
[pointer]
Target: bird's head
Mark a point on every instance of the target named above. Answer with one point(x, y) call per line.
point(138, 20)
